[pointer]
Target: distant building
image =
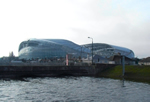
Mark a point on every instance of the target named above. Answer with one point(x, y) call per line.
point(11, 54)
point(118, 60)
point(100, 59)
point(145, 61)
point(8, 59)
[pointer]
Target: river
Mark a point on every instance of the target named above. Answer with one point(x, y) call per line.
point(73, 89)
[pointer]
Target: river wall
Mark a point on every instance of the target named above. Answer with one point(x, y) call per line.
point(15, 71)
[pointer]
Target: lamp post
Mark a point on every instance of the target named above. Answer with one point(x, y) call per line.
point(92, 49)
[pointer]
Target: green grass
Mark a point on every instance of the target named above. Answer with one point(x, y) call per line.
point(132, 72)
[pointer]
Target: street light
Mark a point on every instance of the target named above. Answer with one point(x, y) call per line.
point(92, 49)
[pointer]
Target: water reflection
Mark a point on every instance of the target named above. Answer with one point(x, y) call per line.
point(123, 80)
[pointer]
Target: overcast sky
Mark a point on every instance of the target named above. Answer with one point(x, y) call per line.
point(123, 23)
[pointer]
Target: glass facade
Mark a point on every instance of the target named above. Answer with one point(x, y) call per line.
point(106, 50)
point(50, 48)
point(59, 48)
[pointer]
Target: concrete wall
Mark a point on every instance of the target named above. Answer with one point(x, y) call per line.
point(12, 71)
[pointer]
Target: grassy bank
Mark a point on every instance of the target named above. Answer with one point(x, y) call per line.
point(132, 72)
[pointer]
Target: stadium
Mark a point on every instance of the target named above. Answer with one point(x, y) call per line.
point(107, 50)
point(59, 48)
point(50, 48)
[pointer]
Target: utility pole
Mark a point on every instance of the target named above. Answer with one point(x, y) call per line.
point(92, 49)
point(123, 65)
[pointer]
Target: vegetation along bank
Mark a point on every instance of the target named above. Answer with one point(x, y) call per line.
point(132, 72)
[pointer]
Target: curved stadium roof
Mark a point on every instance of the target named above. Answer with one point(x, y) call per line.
point(50, 48)
point(107, 50)
point(63, 42)
point(60, 47)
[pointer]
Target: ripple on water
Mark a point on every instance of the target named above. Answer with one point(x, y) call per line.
point(73, 89)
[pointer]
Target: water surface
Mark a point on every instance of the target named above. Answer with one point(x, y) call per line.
point(73, 89)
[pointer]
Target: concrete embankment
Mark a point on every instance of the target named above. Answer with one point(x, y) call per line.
point(132, 72)
point(41, 70)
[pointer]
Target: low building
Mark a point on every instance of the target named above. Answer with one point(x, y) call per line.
point(145, 61)
point(118, 60)
point(99, 59)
